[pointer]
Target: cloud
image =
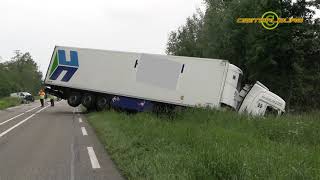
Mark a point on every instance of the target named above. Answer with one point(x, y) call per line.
point(38, 25)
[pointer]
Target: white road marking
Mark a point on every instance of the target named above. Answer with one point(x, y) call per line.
point(11, 119)
point(21, 122)
point(41, 109)
point(2, 123)
point(84, 131)
point(72, 161)
point(93, 158)
point(32, 109)
point(80, 120)
point(10, 129)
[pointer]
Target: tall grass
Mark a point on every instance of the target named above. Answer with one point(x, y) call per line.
point(7, 102)
point(209, 144)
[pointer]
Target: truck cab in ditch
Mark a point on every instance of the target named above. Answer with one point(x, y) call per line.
point(258, 100)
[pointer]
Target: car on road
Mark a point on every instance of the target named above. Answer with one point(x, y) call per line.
point(24, 96)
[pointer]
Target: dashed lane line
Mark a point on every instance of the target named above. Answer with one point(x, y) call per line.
point(32, 109)
point(84, 131)
point(93, 158)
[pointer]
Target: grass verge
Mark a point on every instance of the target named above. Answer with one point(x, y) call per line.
point(209, 144)
point(7, 102)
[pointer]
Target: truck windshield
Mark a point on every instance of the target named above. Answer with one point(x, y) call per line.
point(270, 111)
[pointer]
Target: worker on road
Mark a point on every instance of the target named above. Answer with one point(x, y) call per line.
point(51, 99)
point(42, 95)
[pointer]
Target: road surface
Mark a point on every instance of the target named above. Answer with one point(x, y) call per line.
point(51, 143)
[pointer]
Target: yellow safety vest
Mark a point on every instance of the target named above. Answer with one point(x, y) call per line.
point(42, 94)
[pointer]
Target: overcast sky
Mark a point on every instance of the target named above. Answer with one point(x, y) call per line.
point(126, 25)
point(37, 26)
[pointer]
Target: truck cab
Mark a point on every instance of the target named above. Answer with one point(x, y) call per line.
point(257, 100)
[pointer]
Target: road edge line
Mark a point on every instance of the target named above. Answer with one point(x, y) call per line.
point(4, 122)
point(21, 122)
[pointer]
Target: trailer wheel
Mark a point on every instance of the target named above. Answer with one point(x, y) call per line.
point(74, 99)
point(88, 101)
point(102, 102)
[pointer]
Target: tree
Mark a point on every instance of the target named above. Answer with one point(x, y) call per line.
point(19, 74)
point(185, 40)
point(285, 59)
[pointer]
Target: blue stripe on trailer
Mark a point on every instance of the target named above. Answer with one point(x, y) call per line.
point(131, 104)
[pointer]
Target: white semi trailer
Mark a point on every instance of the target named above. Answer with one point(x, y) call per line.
point(93, 77)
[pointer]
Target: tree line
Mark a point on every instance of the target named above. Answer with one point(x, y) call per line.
point(286, 59)
point(20, 74)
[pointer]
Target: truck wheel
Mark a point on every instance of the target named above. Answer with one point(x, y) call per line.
point(88, 101)
point(74, 99)
point(102, 103)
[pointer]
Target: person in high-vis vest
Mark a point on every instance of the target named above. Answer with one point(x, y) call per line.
point(42, 95)
point(51, 97)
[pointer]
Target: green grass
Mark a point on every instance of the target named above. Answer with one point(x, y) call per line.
point(209, 144)
point(7, 102)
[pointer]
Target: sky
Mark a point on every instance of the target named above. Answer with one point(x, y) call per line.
point(36, 26)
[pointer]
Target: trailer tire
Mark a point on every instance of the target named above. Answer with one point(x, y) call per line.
point(102, 103)
point(74, 99)
point(88, 101)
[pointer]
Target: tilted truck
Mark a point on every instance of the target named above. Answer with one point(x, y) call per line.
point(95, 78)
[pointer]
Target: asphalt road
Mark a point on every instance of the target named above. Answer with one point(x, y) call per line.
point(51, 143)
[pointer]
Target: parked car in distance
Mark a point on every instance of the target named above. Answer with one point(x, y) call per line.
point(24, 96)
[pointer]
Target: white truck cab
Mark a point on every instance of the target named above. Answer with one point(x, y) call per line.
point(258, 100)
point(254, 99)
